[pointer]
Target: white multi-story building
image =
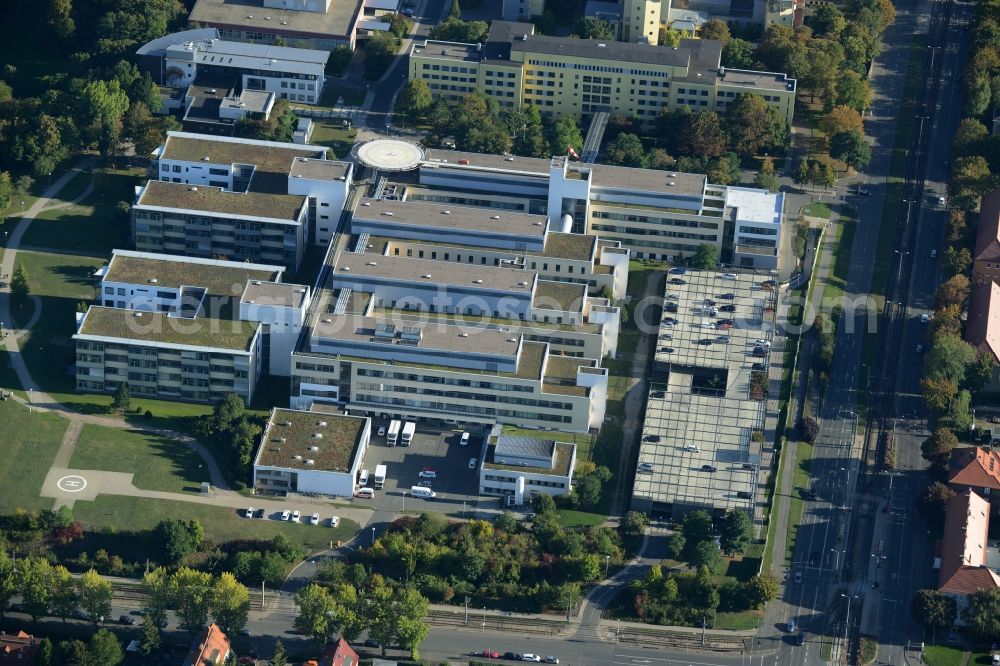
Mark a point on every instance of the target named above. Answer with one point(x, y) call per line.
point(239, 199)
point(519, 467)
point(311, 452)
point(293, 74)
point(654, 214)
point(193, 288)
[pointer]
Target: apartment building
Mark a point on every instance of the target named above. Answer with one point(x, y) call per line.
point(161, 356)
point(309, 452)
point(518, 466)
point(239, 199)
point(579, 77)
point(191, 288)
point(653, 214)
point(967, 563)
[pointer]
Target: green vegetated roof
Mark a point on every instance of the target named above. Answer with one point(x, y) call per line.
point(129, 325)
point(180, 196)
point(564, 455)
point(292, 434)
point(565, 296)
point(569, 246)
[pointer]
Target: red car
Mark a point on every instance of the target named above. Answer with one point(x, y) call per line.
point(487, 654)
point(429, 469)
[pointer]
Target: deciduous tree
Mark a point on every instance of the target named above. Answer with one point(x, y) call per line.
point(156, 585)
point(751, 126)
point(933, 610)
point(952, 291)
point(149, 642)
point(938, 447)
point(626, 150)
point(715, 29)
point(192, 595)
point(316, 609)
point(738, 54)
point(766, 179)
point(35, 586)
point(982, 616)
point(230, 603)
point(416, 99)
point(736, 532)
point(933, 502)
point(64, 597)
point(948, 358)
point(705, 257)
point(851, 147)
point(970, 179)
point(594, 28)
point(105, 649)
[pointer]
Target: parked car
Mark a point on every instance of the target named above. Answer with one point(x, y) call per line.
point(708, 468)
point(428, 474)
point(126, 619)
point(678, 271)
point(670, 307)
point(286, 514)
point(512, 655)
point(652, 438)
point(464, 441)
point(314, 519)
point(757, 366)
point(798, 577)
point(727, 308)
point(534, 658)
point(791, 626)
point(730, 276)
point(646, 467)
point(295, 516)
point(677, 281)
point(335, 521)
point(473, 463)
point(550, 660)
point(924, 318)
point(381, 431)
point(250, 512)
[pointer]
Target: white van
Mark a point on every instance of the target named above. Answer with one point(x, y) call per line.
point(420, 491)
point(363, 478)
point(365, 493)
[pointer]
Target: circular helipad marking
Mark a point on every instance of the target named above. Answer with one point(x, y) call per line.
point(71, 483)
point(389, 154)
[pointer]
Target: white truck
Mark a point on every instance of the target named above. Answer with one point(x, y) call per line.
point(393, 434)
point(408, 431)
point(379, 476)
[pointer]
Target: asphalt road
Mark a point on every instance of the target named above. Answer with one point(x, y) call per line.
point(902, 561)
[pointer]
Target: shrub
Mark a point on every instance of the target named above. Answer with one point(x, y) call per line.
point(808, 429)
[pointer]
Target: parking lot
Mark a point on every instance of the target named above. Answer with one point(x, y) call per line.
point(456, 485)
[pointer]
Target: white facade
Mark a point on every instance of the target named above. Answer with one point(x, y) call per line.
point(505, 473)
point(330, 194)
point(757, 216)
point(289, 73)
point(282, 317)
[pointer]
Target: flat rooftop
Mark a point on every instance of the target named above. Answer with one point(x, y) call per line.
point(563, 458)
point(245, 55)
point(608, 50)
point(451, 50)
point(647, 180)
point(565, 296)
point(578, 247)
point(130, 327)
point(721, 429)
point(750, 79)
point(202, 198)
point(522, 325)
point(313, 169)
point(434, 273)
point(262, 292)
point(452, 158)
point(692, 337)
point(448, 216)
point(437, 335)
point(252, 16)
point(272, 161)
point(254, 101)
point(754, 205)
point(218, 278)
point(290, 437)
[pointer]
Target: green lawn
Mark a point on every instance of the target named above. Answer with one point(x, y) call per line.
point(125, 514)
point(940, 655)
point(570, 518)
point(30, 442)
point(61, 275)
point(843, 243)
point(818, 210)
point(93, 226)
point(800, 479)
point(159, 463)
point(738, 621)
point(328, 133)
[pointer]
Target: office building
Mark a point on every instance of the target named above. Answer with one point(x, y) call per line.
point(653, 214)
point(580, 77)
point(703, 429)
point(239, 199)
point(307, 452)
point(307, 24)
point(180, 59)
point(519, 467)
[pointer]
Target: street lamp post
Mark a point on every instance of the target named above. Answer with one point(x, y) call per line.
point(847, 621)
point(373, 536)
point(607, 564)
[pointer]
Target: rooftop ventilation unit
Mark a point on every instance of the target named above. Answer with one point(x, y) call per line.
point(446, 212)
point(346, 268)
point(494, 217)
point(298, 457)
point(317, 435)
point(314, 448)
point(205, 159)
point(477, 281)
point(385, 330)
point(278, 440)
point(463, 335)
point(372, 263)
point(137, 315)
point(387, 213)
point(427, 276)
point(310, 462)
point(367, 203)
point(286, 423)
point(193, 189)
point(322, 424)
point(153, 280)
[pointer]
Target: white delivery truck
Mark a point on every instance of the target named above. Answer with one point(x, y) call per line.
point(393, 434)
point(408, 431)
point(420, 491)
point(379, 476)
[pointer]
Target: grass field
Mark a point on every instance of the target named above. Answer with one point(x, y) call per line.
point(818, 210)
point(159, 463)
point(116, 514)
point(843, 244)
point(738, 621)
point(328, 133)
point(940, 655)
point(570, 518)
point(93, 226)
point(30, 442)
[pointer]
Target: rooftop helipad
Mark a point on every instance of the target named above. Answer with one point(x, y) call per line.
point(391, 155)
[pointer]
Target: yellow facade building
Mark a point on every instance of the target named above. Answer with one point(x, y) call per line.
point(583, 76)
